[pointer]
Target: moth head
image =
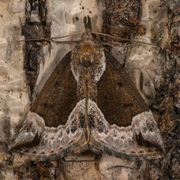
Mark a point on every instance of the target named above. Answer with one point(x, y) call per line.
point(87, 36)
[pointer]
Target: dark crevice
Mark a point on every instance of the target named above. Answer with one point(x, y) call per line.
point(34, 29)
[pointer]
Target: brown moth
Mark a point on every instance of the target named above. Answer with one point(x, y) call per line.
point(89, 103)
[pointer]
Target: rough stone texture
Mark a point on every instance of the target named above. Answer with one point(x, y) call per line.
point(155, 70)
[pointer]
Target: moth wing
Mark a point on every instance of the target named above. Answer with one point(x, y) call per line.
point(40, 141)
point(58, 97)
point(55, 125)
point(118, 98)
point(120, 121)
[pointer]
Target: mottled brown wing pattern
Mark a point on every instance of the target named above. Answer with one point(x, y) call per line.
point(58, 96)
point(120, 121)
point(55, 125)
point(118, 98)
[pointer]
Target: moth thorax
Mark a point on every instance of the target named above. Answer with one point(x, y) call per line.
point(87, 55)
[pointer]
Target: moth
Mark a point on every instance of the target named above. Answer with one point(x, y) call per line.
point(89, 103)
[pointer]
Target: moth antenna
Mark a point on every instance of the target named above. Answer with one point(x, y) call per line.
point(50, 39)
point(124, 39)
point(66, 42)
point(112, 44)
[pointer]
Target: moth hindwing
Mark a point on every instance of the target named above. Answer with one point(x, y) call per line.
point(89, 102)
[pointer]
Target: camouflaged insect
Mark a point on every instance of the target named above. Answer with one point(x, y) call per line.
point(89, 103)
